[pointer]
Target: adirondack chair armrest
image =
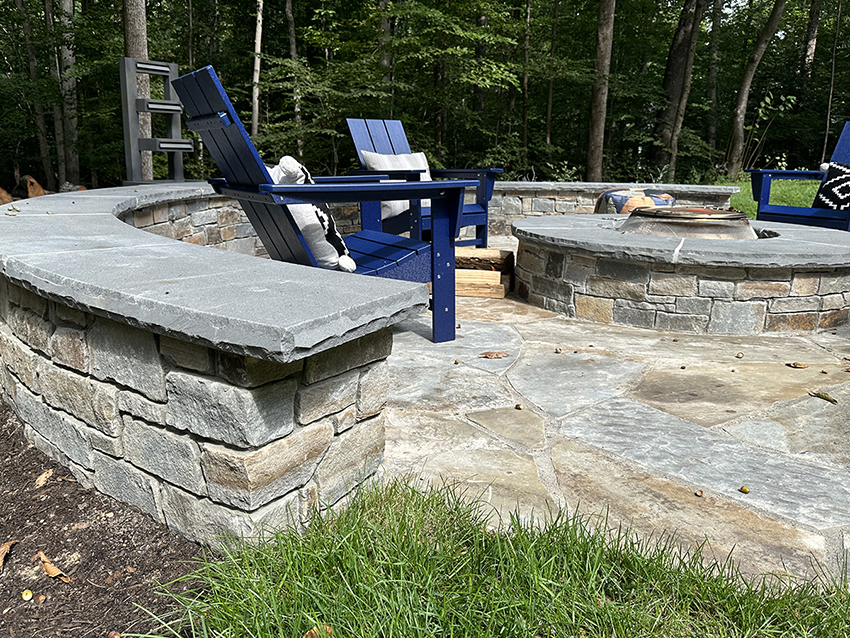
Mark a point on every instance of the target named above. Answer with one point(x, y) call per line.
point(485, 176)
point(763, 177)
point(346, 179)
point(365, 192)
point(407, 174)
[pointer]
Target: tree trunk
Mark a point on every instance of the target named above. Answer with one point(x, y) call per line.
point(714, 59)
point(526, 47)
point(735, 157)
point(58, 119)
point(676, 86)
point(811, 37)
point(551, 87)
point(599, 92)
point(296, 94)
point(40, 123)
point(68, 87)
point(255, 82)
point(136, 46)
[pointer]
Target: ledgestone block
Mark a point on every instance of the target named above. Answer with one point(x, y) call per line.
point(127, 483)
point(353, 456)
point(353, 354)
point(219, 411)
point(127, 355)
point(312, 402)
point(172, 457)
point(248, 479)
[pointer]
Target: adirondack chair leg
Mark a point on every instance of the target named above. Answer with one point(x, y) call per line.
point(443, 267)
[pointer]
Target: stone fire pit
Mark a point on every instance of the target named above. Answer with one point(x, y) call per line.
point(793, 278)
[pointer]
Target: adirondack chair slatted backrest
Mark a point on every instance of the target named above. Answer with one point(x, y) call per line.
point(211, 114)
point(841, 154)
point(386, 137)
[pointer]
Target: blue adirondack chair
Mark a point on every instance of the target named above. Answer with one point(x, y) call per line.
point(388, 137)
point(246, 178)
point(823, 217)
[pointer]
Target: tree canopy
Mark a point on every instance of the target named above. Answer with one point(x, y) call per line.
point(475, 82)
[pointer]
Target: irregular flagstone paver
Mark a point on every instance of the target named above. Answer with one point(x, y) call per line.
point(562, 383)
point(521, 426)
point(836, 340)
point(471, 341)
point(641, 344)
point(616, 493)
point(811, 427)
point(504, 479)
point(783, 486)
point(423, 384)
point(709, 393)
point(413, 437)
point(500, 311)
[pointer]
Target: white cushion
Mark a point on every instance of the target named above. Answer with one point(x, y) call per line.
point(403, 162)
point(315, 221)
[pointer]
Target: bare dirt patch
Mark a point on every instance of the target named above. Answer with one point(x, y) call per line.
point(114, 556)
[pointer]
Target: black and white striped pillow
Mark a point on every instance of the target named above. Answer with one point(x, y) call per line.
point(834, 192)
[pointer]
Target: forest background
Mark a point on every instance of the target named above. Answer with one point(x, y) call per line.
point(621, 90)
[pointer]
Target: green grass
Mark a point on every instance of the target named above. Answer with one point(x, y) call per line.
point(786, 192)
point(402, 563)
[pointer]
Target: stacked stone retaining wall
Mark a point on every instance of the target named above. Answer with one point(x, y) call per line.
point(215, 392)
point(209, 442)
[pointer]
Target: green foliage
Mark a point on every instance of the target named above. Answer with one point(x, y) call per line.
point(403, 563)
point(452, 72)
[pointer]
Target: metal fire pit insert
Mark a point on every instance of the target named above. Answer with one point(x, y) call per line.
point(687, 221)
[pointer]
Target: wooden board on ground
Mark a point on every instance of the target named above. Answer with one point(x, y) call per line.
point(484, 259)
point(482, 283)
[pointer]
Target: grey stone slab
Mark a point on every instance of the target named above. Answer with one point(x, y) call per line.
point(810, 428)
point(709, 393)
point(418, 381)
point(565, 382)
point(796, 247)
point(412, 342)
point(520, 426)
point(639, 344)
point(781, 486)
point(94, 262)
point(611, 491)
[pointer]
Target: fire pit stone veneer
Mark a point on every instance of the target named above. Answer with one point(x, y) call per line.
point(794, 278)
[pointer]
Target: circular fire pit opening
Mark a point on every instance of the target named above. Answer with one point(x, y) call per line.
point(688, 221)
point(593, 267)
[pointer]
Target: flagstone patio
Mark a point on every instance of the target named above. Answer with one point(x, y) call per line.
point(653, 430)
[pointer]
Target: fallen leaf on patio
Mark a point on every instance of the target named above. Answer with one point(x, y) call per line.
point(42, 479)
point(315, 632)
point(558, 351)
point(51, 570)
point(824, 396)
point(518, 406)
point(4, 549)
point(796, 365)
point(698, 493)
point(744, 489)
point(10, 213)
point(494, 355)
point(740, 355)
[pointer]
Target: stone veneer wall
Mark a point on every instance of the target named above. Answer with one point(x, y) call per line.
point(208, 442)
point(515, 200)
point(681, 297)
point(218, 222)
